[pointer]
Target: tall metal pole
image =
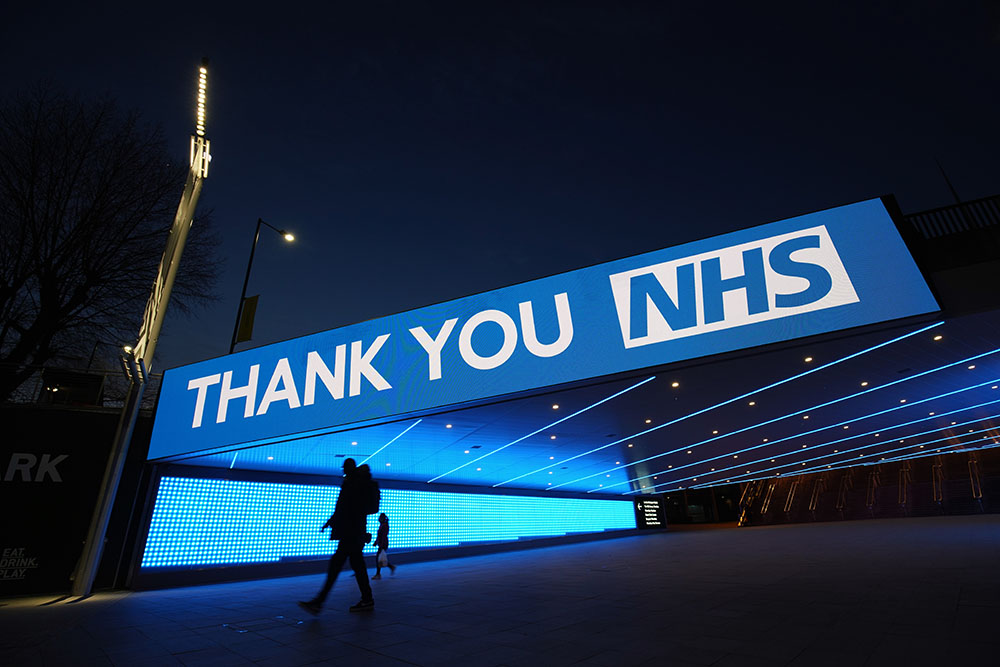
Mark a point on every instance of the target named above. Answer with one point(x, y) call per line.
point(246, 281)
point(139, 359)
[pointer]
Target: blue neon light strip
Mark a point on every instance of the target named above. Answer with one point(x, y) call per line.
point(759, 474)
point(851, 464)
point(833, 442)
point(718, 405)
point(925, 454)
point(794, 414)
point(544, 428)
point(200, 522)
point(391, 441)
point(676, 469)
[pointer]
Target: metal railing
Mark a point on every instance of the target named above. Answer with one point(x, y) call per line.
point(792, 488)
point(905, 479)
point(871, 497)
point(818, 488)
point(937, 480)
point(975, 478)
point(114, 384)
point(846, 484)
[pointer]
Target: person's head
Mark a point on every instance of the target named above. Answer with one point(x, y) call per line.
point(382, 518)
point(349, 466)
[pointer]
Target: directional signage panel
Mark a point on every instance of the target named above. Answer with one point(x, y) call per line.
point(816, 273)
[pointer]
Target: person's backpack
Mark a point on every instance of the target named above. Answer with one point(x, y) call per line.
point(373, 498)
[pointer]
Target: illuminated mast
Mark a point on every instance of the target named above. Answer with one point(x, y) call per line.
point(139, 358)
point(152, 319)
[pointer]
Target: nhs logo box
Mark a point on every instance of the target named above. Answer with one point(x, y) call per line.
point(835, 269)
point(771, 278)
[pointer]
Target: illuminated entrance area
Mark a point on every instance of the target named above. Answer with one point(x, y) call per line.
point(553, 407)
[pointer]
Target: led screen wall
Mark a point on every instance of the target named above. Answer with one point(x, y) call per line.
point(830, 270)
point(202, 522)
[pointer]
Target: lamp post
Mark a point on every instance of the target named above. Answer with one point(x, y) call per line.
point(246, 279)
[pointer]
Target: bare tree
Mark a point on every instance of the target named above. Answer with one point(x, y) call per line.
point(87, 194)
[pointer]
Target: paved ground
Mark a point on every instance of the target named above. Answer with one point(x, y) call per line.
point(890, 592)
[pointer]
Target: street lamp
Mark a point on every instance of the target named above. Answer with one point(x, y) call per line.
point(289, 237)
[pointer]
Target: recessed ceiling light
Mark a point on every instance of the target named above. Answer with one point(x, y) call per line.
point(752, 403)
point(669, 466)
point(715, 432)
point(655, 477)
point(550, 472)
point(269, 458)
point(447, 425)
point(555, 406)
point(695, 479)
point(765, 439)
point(607, 475)
point(630, 444)
point(649, 421)
point(617, 462)
point(931, 414)
point(478, 469)
point(713, 469)
point(552, 437)
point(772, 460)
point(354, 442)
point(689, 451)
point(388, 464)
point(550, 483)
point(735, 456)
point(466, 451)
point(804, 446)
point(938, 337)
point(551, 458)
point(675, 384)
point(836, 451)
point(902, 400)
point(805, 416)
point(864, 384)
point(971, 366)
point(808, 359)
point(846, 427)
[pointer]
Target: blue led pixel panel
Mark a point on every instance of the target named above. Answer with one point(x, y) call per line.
point(825, 271)
point(201, 522)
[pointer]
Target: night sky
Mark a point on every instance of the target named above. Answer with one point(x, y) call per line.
point(426, 151)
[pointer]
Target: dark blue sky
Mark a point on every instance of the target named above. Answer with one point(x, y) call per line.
point(425, 151)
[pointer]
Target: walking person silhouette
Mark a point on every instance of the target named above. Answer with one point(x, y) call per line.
point(358, 492)
point(382, 545)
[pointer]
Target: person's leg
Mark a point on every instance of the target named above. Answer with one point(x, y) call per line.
point(336, 565)
point(378, 565)
point(360, 571)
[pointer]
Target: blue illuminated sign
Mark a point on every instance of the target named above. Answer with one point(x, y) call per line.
point(813, 274)
point(199, 522)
